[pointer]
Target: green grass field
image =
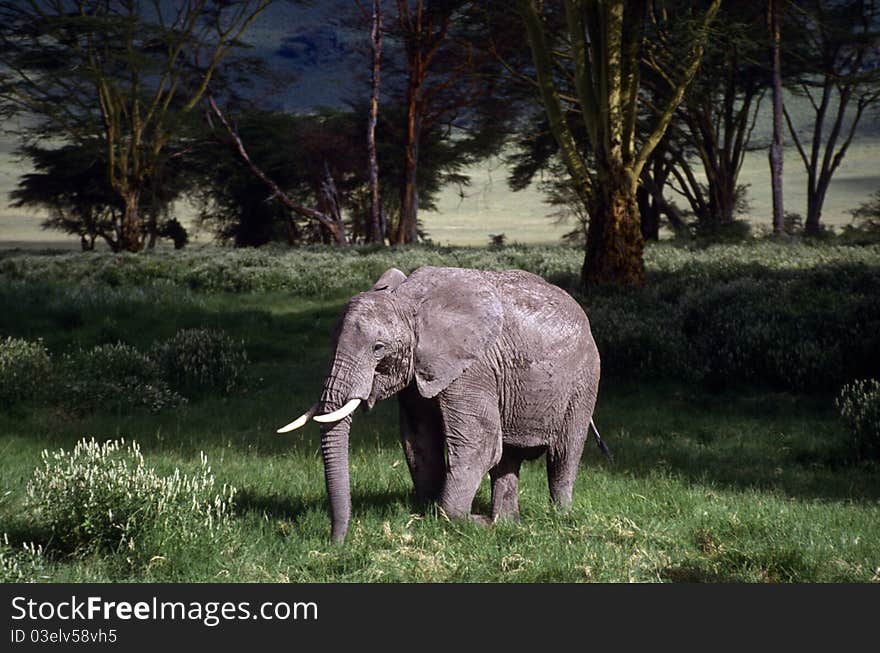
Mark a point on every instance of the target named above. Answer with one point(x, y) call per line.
point(748, 484)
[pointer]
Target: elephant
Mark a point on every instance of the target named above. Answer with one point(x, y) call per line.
point(490, 369)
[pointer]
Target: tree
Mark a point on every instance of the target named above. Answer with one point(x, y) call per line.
point(123, 72)
point(600, 45)
point(776, 146)
point(715, 121)
point(70, 183)
point(376, 231)
point(833, 46)
point(865, 226)
point(439, 75)
point(233, 195)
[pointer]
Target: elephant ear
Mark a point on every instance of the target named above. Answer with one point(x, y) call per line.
point(390, 280)
point(457, 322)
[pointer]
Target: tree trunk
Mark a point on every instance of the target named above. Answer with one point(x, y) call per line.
point(815, 201)
point(409, 192)
point(614, 241)
point(776, 146)
point(722, 194)
point(649, 214)
point(328, 205)
point(152, 231)
point(130, 237)
point(375, 233)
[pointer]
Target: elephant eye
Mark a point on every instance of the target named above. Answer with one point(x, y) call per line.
point(379, 349)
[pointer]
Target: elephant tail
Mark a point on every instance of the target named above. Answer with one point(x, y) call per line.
point(601, 442)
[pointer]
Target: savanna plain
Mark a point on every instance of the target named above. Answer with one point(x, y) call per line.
point(137, 435)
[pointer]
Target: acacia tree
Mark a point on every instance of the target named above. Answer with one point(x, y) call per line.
point(600, 46)
point(317, 143)
point(445, 88)
point(70, 183)
point(833, 46)
point(720, 111)
point(122, 71)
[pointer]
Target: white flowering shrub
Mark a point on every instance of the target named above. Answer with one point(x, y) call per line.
point(25, 370)
point(200, 361)
point(859, 404)
point(113, 377)
point(101, 496)
point(23, 564)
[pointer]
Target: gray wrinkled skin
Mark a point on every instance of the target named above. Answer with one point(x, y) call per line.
point(490, 368)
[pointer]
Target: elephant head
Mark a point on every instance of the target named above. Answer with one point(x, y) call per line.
point(428, 328)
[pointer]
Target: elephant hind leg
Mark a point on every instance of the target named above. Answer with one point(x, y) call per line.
point(563, 460)
point(505, 486)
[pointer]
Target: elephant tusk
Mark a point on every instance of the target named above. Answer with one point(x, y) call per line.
point(299, 421)
point(337, 415)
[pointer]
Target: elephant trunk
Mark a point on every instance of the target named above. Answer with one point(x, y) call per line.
point(342, 385)
point(334, 449)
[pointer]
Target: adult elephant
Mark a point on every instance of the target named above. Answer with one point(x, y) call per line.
point(491, 368)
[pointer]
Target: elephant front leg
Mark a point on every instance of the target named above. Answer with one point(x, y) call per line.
point(472, 427)
point(421, 434)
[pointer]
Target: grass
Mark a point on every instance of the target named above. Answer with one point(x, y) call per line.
point(745, 485)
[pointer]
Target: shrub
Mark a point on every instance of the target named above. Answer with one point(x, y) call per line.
point(859, 404)
point(24, 564)
point(103, 497)
point(198, 361)
point(865, 226)
point(25, 370)
point(113, 377)
point(638, 338)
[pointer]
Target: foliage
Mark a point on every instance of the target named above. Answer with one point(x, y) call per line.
point(713, 126)
point(71, 183)
point(600, 50)
point(124, 77)
point(199, 361)
point(731, 231)
point(865, 227)
point(830, 49)
point(102, 497)
point(23, 564)
point(174, 231)
point(113, 377)
point(788, 315)
point(296, 151)
point(859, 404)
point(25, 370)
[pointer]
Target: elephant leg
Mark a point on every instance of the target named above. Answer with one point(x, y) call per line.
point(505, 486)
point(421, 434)
point(472, 426)
point(563, 460)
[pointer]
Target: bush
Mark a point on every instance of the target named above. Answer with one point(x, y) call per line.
point(198, 361)
point(25, 370)
point(113, 377)
point(103, 497)
point(859, 404)
point(865, 227)
point(24, 564)
point(793, 314)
